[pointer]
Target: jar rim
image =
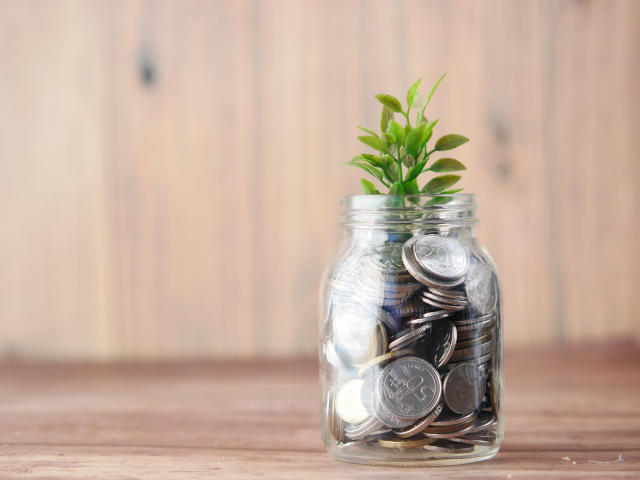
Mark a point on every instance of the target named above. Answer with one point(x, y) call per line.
point(408, 201)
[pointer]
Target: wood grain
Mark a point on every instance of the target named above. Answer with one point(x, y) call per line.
point(248, 420)
point(170, 172)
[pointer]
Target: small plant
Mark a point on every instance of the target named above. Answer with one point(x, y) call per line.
point(399, 146)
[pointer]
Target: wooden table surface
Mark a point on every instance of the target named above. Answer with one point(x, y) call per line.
point(571, 413)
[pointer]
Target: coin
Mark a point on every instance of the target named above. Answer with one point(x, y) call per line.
point(404, 443)
point(421, 425)
point(448, 293)
point(445, 300)
point(409, 387)
point(479, 438)
point(348, 402)
point(371, 426)
point(356, 333)
point(404, 339)
point(444, 446)
point(384, 358)
point(414, 268)
point(476, 325)
point(438, 343)
point(474, 320)
point(446, 306)
point(480, 286)
point(449, 418)
point(464, 387)
point(472, 352)
point(442, 257)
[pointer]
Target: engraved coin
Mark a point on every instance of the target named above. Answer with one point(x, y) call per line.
point(481, 288)
point(464, 387)
point(417, 272)
point(409, 387)
point(356, 333)
point(348, 402)
point(443, 257)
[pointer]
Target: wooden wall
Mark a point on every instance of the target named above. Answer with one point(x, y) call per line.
point(171, 171)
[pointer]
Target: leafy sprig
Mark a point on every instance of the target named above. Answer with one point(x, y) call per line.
point(402, 152)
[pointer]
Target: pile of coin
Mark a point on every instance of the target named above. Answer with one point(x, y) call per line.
point(413, 334)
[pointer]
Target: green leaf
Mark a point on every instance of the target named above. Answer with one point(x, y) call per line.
point(371, 159)
point(384, 119)
point(433, 89)
point(411, 188)
point(411, 94)
point(368, 187)
point(374, 142)
point(449, 142)
point(396, 189)
point(391, 139)
point(397, 131)
point(368, 168)
point(414, 171)
point(447, 165)
point(451, 192)
point(428, 131)
point(439, 184)
point(414, 138)
point(370, 132)
point(391, 102)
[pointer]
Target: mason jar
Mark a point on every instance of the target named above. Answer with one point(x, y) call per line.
point(410, 340)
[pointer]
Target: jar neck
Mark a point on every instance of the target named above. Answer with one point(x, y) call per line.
point(380, 215)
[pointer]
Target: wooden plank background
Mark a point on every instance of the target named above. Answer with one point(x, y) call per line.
point(170, 172)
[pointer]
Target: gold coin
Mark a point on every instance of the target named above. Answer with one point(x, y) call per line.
point(405, 443)
point(383, 359)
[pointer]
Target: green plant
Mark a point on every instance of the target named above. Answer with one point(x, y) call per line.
point(399, 146)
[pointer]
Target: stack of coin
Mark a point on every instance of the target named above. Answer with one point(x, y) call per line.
point(414, 325)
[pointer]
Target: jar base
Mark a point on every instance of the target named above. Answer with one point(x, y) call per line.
point(386, 457)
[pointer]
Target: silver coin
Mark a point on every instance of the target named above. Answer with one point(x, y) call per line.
point(446, 306)
point(445, 300)
point(424, 319)
point(481, 288)
point(348, 403)
point(356, 334)
point(421, 425)
point(411, 308)
point(364, 429)
point(448, 293)
point(464, 387)
point(472, 352)
point(419, 274)
point(479, 438)
point(476, 325)
point(482, 423)
point(448, 418)
point(473, 320)
point(409, 387)
point(442, 257)
point(409, 337)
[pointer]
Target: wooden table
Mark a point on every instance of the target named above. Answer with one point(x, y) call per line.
point(571, 413)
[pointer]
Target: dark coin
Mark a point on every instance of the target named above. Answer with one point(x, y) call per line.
point(464, 387)
point(409, 387)
point(438, 343)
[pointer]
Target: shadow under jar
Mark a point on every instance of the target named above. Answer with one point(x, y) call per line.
point(411, 335)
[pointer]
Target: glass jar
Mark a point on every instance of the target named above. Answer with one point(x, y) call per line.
point(411, 335)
